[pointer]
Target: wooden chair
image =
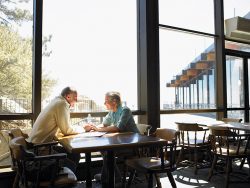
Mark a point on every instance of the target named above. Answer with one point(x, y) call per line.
point(17, 132)
point(162, 162)
point(144, 128)
point(39, 171)
point(227, 120)
point(238, 120)
point(223, 148)
point(194, 139)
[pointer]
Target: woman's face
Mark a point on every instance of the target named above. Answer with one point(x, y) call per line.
point(109, 104)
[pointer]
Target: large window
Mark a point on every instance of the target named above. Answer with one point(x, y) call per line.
point(92, 46)
point(15, 57)
point(187, 59)
point(192, 14)
point(235, 91)
point(187, 71)
point(234, 8)
point(15, 69)
point(237, 20)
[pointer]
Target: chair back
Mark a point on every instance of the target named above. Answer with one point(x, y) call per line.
point(191, 134)
point(167, 134)
point(169, 151)
point(17, 132)
point(223, 144)
point(144, 128)
point(18, 147)
point(227, 120)
point(36, 171)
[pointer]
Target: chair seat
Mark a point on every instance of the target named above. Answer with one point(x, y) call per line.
point(66, 176)
point(147, 164)
point(199, 142)
point(233, 151)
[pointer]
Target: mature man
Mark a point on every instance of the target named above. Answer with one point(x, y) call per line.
point(55, 119)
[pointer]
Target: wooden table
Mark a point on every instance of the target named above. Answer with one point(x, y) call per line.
point(109, 143)
point(230, 125)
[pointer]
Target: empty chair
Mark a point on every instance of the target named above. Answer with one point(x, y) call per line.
point(144, 128)
point(223, 148)
point(227, 120)
point(237, 120)
point(194, 140)
point(39, 171)
point(164, 162)
point(232, 120)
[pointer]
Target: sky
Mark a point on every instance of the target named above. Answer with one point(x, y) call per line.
point(94, 44)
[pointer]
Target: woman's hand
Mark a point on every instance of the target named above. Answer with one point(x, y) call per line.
point(89, 127)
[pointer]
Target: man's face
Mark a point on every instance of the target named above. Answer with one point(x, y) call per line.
point(71, 98)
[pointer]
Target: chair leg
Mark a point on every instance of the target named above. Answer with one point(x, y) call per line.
point(242, 163)
point(229, 163)
point(212, 167)
point(131, 177)
point(179, 157)
point(195, 161)
point(125, 171)
point(171, 179)
point(248, 162)
point(16, 181)
point(158, 182)
point(150, 181)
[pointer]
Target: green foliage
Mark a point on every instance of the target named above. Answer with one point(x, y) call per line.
point(16, 65)
point(16, 54)
point(11, 13)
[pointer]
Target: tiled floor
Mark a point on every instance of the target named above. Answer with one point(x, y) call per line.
point(185, 178)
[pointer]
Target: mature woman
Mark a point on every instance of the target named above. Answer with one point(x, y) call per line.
point(119, 118)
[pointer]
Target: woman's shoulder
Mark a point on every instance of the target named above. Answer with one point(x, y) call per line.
point(125, 109)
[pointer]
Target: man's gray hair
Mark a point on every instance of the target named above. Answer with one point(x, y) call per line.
point(114, 97)
point(68, 90)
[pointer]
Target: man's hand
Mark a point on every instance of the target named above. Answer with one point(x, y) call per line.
point(89, 127)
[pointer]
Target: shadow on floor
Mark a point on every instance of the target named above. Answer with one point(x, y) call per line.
point(184, 178)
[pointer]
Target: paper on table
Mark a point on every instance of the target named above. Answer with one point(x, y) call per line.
point(92, 134)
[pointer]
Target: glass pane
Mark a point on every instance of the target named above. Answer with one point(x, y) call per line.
point(24, 125)
point(235, 88)
point(249, 76)
point(187, 64)
point(16, 57)
point(168, 120)
point(234, 8)
point(93, 47)
point(236, 114)
point(192, 14)
point(237, 19)
point(237, 46)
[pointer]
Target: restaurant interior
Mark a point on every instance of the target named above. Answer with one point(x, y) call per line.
point(192, 115)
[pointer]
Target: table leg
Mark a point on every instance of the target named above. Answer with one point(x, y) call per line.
point(111, 168)
point(88, 173)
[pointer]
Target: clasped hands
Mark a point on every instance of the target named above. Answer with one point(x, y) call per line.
point(90, 127)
